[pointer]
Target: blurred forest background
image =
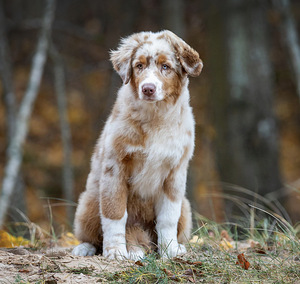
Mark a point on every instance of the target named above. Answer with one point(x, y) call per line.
point(246, 101)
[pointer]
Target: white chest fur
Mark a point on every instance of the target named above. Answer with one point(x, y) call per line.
point(163, 151)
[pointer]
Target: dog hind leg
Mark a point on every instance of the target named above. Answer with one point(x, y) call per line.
point(87, 226)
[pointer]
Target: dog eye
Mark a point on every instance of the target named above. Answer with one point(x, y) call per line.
point(139, 66)
point(165, 67)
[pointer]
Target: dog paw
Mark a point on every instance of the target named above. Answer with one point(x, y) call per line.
point(84, 249)
point(136, 254)
point(172, 250)
point(118, 253)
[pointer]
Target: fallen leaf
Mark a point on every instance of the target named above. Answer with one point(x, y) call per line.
point(257, 248)
point(171, 275)
point(226, 245)
point(196, 263)
point(9, 241)
point(196, 240)
point(68, 239)
point(242, 261)
point(260, 251)
point(139, 263)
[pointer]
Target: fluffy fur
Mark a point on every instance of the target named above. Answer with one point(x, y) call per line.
point(135, 193)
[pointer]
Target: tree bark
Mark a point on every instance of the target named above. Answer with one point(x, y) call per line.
point(247, 140)
point(13, 164)
point(60, 90)
point(18, 200)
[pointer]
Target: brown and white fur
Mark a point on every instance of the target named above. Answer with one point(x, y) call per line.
point(135, 193)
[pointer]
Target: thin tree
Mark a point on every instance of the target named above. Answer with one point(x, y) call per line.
point(15, 151)
point(242, 91)
point(60, 90)
point(18, 200)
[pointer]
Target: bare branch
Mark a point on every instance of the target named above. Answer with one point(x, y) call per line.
point(16, 146)
point(68, 184)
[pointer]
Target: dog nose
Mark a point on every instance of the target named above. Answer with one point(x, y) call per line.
point(148, 89)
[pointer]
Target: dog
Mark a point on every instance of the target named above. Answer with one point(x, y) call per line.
point(134, 200)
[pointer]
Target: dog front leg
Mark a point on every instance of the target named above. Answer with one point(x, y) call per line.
point(114, 242)
point(113, 202)
point(168, 213)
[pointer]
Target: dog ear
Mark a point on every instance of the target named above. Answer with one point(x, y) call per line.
point(187, 56)
point(121, 58)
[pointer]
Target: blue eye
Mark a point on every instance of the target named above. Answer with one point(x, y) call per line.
point(165, 67)
point(139, 66)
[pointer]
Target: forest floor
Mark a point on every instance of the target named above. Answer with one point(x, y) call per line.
point(210, 259)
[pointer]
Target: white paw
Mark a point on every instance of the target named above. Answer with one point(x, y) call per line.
point(84, 249)
point(118, 253)
point(136, 254)
point(171, 250)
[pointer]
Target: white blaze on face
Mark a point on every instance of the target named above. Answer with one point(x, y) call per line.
point(152, 73)
point(151, 79)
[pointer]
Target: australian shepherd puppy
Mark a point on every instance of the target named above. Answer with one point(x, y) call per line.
point(135, 193)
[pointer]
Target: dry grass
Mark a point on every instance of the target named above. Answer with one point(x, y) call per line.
point(269, 243)
point(274, 257)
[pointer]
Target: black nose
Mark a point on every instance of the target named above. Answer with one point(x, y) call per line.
point(148, 89)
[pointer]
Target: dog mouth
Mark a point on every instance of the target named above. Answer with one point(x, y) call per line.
point(150, 99)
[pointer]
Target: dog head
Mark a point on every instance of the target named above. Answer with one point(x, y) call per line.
point(155, 64)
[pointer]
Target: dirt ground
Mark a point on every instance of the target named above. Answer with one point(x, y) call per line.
point(19, 265)
point(57, 265)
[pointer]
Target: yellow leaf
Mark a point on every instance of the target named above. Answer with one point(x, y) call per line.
point(68, 239)
point(197, 241)
point(9, 241)
point(225, 245)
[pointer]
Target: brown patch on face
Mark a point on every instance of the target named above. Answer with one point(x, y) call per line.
point(172, 86)
point(162, 59)
point(189, 133)
point(143, 59)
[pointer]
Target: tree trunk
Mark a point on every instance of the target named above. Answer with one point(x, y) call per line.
point(13, 164)
point(60, 90)
point(18, 200)
point(247, 140)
